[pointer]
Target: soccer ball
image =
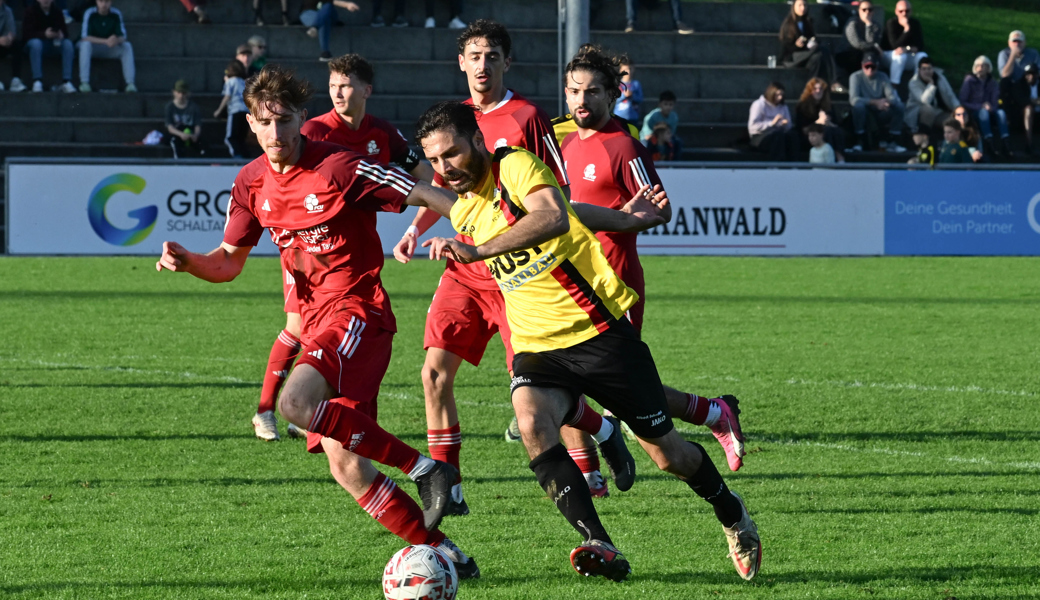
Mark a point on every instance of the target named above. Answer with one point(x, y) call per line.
point(420, 573)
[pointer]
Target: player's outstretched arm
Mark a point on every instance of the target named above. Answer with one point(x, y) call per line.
point(220, 265)
point(646, 210)
point(437, 199)
point(405, 249)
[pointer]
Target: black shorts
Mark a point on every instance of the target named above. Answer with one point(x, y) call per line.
point(614, 368)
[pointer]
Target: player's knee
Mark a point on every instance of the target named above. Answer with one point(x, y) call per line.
point(436, 380)
point(293, 406)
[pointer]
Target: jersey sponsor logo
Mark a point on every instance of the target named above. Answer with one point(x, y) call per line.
point(316, 353)
point(518, 381)
point(655, 419)
point(311, 202)
point(589, 173)
point(266, 206)
point(373, 147)
point(501, 143)
point(503, 268)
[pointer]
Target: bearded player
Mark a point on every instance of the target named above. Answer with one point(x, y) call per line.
point(319, 202)
point(571, 335)
point(467, 308)
point(347, 124)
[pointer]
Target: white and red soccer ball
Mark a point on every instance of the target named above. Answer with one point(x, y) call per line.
point(420, 572)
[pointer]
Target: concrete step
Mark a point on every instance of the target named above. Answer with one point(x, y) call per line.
point(78, 149)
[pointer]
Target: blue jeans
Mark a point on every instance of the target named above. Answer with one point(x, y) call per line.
point(39, 49)
point(323, 19)
point(984, 117)
point(630, 10)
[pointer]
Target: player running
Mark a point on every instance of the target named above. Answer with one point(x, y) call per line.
point(467, 308)
point(607, 166)
point(319, 201)
point(347, 124)
point(570, 334)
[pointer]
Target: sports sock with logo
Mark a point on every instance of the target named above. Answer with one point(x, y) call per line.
point(361, 435)
point(584, 418)
point(445, 444)
point(701, 410)
point(708, 484)
point(283, 353)
point(395, 510)
point(565, 485)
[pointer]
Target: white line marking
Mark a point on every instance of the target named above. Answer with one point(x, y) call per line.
point(953, 389)
point(116, 369)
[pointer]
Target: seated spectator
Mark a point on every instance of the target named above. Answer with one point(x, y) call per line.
point(770, 126)
point(799, 48)
point(661, 144)
point(970, 134)
point(234, 87)
point(904, 37)
point(871, 95)
point(953, 149)
point(258, 16)
point(1012, 62)
point(399, 18)
point(629, 104)
point(10, 48)
point(814, 107)
point(980, 94)
point(863, 34)
point(821, 152)
point(257, 54)
point(456, 11)
point(676, 6)
point(664, 113)
point(195, 10)
point(183, 122)
point(319, 17)
point(244, 55)
point(45, 35)
point(1027, 98)
point(931, 100)
point(925, 150)
point(104, 36)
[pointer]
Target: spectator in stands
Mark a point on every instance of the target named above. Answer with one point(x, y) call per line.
point(864, 34)
point(904, 37)
point(257, 54)
point(244, 55)
point(799, 48)
point(676, 5)
point(10, 47)
point(871, 95)
point(1012, 61)
point(629, 104)
point(456, 11)
point(45, 35)
point(104, 36)
point(970, 134)
point(953, 149)
point(814, 107)
point(770, 126)
point(183, 122)
point(931, 100)
point(1027, 98)
point(664, 113)
point(399, 18)
point(234, 87)
point(319, 17)
point(925, 150)
point(820, 152)
point(980, 94)
point(661, 143)
point(258, 13)
point(195, 10)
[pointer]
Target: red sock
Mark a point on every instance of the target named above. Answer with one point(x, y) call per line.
point(584, 418)
point(444, 445)
point(696, 409)
point(283, 353)
point(587, 459)
point(395, 510)
point(360, 434)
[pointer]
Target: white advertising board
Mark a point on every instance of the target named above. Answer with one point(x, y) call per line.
point(771, 212)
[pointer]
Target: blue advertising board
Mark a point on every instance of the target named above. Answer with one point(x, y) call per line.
point(962, 212)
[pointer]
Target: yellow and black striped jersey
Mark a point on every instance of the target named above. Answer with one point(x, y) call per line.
point(559, 293)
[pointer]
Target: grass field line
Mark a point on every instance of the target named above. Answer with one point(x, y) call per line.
point(916, 387)
point(118, 369)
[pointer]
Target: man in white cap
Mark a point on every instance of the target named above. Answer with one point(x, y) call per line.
point(1012, 61)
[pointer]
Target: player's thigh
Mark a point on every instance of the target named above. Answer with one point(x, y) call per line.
point(351, 355)
point(354, 473)
point(293, 323)
point(456, 322)
point(493, 306)
point(539, 414)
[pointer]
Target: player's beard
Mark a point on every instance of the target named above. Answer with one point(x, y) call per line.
point(591, 120)
point(473, 171)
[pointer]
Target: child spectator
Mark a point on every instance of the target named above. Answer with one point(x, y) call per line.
point(970, 134)
point(629, 104)
point(661, 143)
point(664, 113)
point(234, 87)
point(257, 13)
point(104, 36)
point(183, 122)
point(9, 47)
point(925, 150)
point(953, 149)
point(45, 34)
point(319, 17)
point(821, 152)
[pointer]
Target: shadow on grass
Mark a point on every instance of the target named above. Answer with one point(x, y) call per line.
point(929, 510)
point(138, 385)
point(885, 577)
point(730, 299)
point(744, 476)
point(896, 436)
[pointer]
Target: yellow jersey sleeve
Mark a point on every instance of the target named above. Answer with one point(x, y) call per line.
point(520, 172)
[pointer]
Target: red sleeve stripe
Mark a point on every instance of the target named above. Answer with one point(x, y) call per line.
point(385, 176)
point(639, 171)
point(584, 296)
point(550, 143)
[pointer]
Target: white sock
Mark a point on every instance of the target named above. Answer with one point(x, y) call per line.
point(605, 431)
point(714, 412)
point(422, 467)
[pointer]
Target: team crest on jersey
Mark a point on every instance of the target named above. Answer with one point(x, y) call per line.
point(311, 202)
point(500, 143)
point(590, 172)
point(373, 147)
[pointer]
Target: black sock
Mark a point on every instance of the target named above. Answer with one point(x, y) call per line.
point(562, 480)
point(708, 484)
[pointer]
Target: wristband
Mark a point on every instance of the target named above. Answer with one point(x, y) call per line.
point(412, 229)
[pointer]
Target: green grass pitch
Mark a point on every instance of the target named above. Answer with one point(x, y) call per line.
point(891, 406)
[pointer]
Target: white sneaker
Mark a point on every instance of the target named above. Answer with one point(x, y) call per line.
point(17, 85)
point(131, 88)
point(856, 148)
point(456, 23)
point(37, 86)
point(430, 23)
point(312, 32)
point(295, 432)
point(67, 88)
point(894, 147)
point(265, 425)
point(85, 88)
point(745, 547)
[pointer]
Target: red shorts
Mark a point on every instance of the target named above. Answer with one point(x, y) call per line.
point(353, 359)
point(289, 289)
point(462, 320)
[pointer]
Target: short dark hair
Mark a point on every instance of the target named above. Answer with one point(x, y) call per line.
point(352, 64)
point(495, 33)
point(236, 69)
point(667, 96)
point(927, 60)
point(953, 124)
point(276, 85)
point(451, 115)
point(594, 59)
point(815, 128)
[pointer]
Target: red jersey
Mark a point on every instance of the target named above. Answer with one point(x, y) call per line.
point(375, 138)
point(607, 169)
point(322, 214)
